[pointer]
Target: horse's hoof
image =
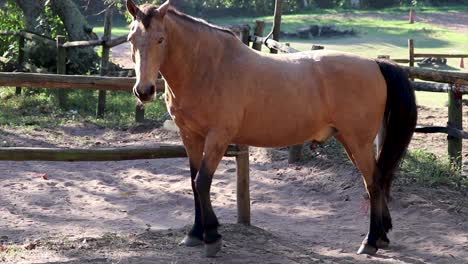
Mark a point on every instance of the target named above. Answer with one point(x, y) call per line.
point(382, 243)
point(212, 249)
point(190, 241)
point(367, 249)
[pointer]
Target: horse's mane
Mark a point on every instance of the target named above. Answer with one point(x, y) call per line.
point(149, 11)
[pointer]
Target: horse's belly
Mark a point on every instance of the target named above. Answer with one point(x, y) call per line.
point(286, 133)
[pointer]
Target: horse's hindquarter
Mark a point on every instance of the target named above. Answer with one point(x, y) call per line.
point(305, 96)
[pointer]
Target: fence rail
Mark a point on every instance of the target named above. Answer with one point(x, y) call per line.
point(70, 81)
point(100, 154)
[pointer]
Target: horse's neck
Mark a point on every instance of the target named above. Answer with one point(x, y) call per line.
point(192, 53)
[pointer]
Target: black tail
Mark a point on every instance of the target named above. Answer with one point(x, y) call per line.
point(399, 123)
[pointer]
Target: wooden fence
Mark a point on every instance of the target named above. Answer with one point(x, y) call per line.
point(106, 42)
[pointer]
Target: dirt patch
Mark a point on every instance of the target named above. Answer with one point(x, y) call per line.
point(241, 245)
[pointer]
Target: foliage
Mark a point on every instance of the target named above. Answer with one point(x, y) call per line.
point(10, 20)
point(51, 21)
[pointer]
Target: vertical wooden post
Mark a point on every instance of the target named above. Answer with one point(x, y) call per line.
point(20, 58)
point(245, 35)
point(455, 119)
point(243, 179)
point(411, 53)
point(295, 153)
point(258, 31)
point(242, 165)
point(139, 113)
point(101, 107)
point(277, 22)
point(61, 69)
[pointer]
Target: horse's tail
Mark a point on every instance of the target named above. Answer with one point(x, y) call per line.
point(399, 121)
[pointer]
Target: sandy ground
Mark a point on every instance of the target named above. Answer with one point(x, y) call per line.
point(137, 211)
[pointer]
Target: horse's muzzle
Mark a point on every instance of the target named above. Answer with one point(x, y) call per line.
point(145, 94)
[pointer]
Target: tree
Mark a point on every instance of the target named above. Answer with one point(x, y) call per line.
point(54, 17)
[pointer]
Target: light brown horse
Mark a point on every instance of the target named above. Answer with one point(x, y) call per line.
point(219, 91)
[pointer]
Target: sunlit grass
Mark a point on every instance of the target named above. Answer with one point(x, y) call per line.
point(41, 109)
point(425, 168)
point(116, 31)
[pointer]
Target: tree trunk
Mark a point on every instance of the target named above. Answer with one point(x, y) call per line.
point(32, 9)
point(40, 55)
point(81, 59)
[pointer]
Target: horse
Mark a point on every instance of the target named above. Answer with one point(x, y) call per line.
point(219, 91)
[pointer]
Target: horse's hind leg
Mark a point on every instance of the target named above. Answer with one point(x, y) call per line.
point(363, 157)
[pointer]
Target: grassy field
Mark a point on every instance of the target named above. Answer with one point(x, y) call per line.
point(376, 35)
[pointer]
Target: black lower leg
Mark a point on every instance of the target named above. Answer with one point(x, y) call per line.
point(197, 228)
point(209, 219)
point(376, 228)
point(386, 218)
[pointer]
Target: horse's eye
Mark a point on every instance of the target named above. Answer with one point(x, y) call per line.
point(161, 39)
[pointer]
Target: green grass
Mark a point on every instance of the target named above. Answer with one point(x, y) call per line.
point(426, 169)
point(432, 99)
point(41, 109)
point(116, 31)
point(375, 36)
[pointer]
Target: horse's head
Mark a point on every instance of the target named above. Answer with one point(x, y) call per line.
point(148, 41)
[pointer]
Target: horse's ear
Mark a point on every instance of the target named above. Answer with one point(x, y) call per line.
point(162, 10)
point(132, 8)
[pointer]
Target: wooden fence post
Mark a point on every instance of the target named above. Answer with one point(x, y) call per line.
point(20, 58)
point(243, 192)
point(242, 165)
point(295, 153)
point(245, 35)
point(139, 113)
point(455, 119)
point(411, 52)
point(277, 23)
point(61, 69)
point(101, 107)
point(258, 31)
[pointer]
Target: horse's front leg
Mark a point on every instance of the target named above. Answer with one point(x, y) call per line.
point(194, 147)
point(215, 147)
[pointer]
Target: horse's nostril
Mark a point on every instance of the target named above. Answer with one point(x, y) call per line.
point(152, 89)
